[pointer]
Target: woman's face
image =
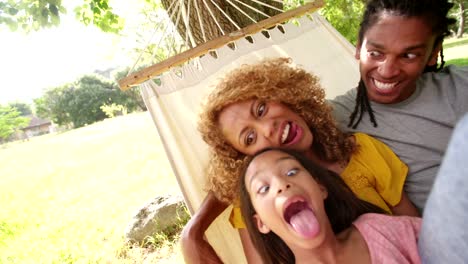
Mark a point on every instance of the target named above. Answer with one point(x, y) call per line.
point(287, 200)
point(253, 125)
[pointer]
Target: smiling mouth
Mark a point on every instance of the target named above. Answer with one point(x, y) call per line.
point(384, 86)
point(289, 133)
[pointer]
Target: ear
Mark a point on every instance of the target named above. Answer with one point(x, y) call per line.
point(260, 225)
point(357, 53)
point(434, 55)
point(323, 191)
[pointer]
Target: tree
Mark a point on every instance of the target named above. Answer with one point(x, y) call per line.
point(459, 11)
point(27, 15)
point(133, 94)
point(345, 16)
point(79, 103)
point(23, 108)
point(10, 121)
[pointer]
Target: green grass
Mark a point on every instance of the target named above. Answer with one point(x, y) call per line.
point(459, 62)
point(67, 198)
point(453, 42)
point(456, 51)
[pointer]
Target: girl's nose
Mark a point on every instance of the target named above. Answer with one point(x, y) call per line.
point(283, 187)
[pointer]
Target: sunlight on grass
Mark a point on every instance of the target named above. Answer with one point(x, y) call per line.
point(67, 198)
point(456, 51)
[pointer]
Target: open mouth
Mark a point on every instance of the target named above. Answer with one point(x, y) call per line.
point(293, 209)
point(289, 133)
point(384, 87)
point(302, 219)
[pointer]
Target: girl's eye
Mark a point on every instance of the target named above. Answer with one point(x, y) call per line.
point(263, 189)
point(249, 139)
point(260, 109)
point(291, 172)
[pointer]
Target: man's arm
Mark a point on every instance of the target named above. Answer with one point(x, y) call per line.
point(194, 246)
point(405, 207)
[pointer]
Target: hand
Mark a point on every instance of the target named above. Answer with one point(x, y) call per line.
point(194, 246)
point(196, 249)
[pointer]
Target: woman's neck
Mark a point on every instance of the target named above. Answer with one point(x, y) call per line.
point(336, 166)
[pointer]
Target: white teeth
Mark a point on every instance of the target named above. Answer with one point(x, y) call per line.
point(285, 133)
point(384, 86)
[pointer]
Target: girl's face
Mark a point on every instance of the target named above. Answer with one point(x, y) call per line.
point(287, 200)
point(392, 56)
point(253, 125)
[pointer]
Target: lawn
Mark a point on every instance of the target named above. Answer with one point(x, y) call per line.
point(67, 198)
point(456, 51)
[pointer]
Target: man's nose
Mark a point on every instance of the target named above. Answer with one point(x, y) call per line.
point(389, 68)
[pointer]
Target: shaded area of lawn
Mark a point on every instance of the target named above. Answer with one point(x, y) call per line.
point(459, 62)
point(450, 43)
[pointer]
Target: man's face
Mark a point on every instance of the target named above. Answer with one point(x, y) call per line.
point(393, 54)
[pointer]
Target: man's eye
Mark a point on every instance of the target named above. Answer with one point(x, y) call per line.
point(410, 56)
point(249, 139)
point(261, 109)
point(263, 189)
point(292, 172)
point(374, 53)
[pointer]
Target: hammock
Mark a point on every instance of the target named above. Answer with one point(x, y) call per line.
point(174, 95)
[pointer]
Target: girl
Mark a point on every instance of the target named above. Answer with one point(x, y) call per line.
point(298, 212)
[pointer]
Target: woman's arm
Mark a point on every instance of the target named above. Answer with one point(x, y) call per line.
point(194, 246)
point(251, 253)
point(405, 207)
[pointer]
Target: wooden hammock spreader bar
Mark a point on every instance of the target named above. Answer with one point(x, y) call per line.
point(145, 74)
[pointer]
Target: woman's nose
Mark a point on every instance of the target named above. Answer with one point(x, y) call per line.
point(268, 128)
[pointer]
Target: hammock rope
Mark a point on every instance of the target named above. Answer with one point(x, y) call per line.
point(136, 78)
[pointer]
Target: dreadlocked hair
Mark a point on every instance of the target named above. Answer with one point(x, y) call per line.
point(272, 80)
point(434, 12)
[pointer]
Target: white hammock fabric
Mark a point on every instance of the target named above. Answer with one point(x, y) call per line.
point(175, 103)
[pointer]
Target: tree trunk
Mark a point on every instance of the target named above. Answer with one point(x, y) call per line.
point(211, 29)
point(461, 19)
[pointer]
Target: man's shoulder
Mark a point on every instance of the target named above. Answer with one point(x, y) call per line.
point(349, 96)
point(343, 105)
point(451, 75)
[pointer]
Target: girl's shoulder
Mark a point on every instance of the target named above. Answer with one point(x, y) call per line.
point(390, 239)
point(388, 227)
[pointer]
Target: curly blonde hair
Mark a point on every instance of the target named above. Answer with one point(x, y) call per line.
point(270, 80)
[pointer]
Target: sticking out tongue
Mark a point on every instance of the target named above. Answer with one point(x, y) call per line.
point(305, 223)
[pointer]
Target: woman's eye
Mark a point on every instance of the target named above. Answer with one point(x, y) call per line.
point(263, 189)
point(261, 109)
point(292, 172)
point(249, 139)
